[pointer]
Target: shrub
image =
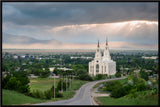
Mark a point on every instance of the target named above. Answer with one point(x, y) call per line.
point(110, 86)
point(59, 86)
point(127, 88)
point(12, 84)
point(5, 80)
point(118, 74)
point(132, 92)
point(59, 94)
point(37, 94)
point(116, 93)
point(144, 75)
point(141, 87)
point(99, 77)
point(18, 82)
point(24, 89)
point(85, 77)
point(48, 94)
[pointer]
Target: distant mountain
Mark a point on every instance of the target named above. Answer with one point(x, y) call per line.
point(24, 42)
point(13, 39)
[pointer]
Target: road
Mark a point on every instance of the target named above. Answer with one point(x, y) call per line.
point(83, 95)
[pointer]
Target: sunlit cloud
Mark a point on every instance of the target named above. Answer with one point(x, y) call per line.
point(80, 25)
point(126, 30)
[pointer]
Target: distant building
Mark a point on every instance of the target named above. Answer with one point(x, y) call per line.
point(24, 64)
point(82, 57)
point(15, 56)
point(33, 76)
point(25, 69)
point(30, 62)
point(22, 56)
point(18, 68)
point(152, 57)
point(51, 69)
point(102, 65)
point(64, 69)
point(137, 70)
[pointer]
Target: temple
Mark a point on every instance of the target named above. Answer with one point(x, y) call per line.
point(102, 64)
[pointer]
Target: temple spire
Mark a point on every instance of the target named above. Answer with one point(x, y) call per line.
point(98, 43)
point(106, 41)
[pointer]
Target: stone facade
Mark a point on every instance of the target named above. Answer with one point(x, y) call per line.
point(102, 64)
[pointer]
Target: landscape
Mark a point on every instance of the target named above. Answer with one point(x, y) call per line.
point(75, 53)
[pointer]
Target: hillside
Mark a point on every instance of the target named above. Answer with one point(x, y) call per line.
point(13, 98)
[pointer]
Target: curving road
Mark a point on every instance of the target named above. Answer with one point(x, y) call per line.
point(83, 95)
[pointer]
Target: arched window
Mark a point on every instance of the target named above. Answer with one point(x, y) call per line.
point(97, 68)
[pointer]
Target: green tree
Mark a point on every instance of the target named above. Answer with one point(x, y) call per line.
point(144, 75)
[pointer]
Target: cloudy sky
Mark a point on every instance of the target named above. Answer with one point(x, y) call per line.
point(68, 25)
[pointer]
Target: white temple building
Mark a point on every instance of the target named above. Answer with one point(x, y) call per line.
point(102, 64)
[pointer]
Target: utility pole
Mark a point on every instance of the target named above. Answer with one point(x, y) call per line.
point(62, 84)
point(66, 80)
point(71, 82)
point(54, 86)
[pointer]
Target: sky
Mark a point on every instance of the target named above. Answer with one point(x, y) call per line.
point(79, 25)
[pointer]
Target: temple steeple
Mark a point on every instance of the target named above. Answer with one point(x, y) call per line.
point(106, 41)
point(98, 43)
point(98, 52)
point(106, 51)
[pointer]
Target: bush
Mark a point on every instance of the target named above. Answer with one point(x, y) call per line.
point(48, 94)
point(18, 82)
point(13, 84)
point(99, 77)
point(24, 89)
point(144, 75)
point(59, 86)
point(85, 77)
point(141, 87)
point(118, 74)
point(37, 94)
point(132, 92)
point(116, 93)
point(5, 80)
point(58, 95)
point(110, 86)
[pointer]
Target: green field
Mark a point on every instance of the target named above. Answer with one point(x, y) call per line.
point(42, 84)
point(12, 98)
point(126, 100)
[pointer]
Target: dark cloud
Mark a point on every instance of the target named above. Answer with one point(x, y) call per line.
point(57, 14)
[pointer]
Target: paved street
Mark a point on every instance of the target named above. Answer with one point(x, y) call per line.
point(82, 97)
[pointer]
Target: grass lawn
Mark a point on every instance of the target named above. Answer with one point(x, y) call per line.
point(12, 98)
point(76, 84)
point(126, 100)
point(42, 84)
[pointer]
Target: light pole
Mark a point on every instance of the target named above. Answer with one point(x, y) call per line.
point(54, 86)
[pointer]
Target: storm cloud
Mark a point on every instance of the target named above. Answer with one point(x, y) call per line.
point(64, 24)
point(59, 14)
